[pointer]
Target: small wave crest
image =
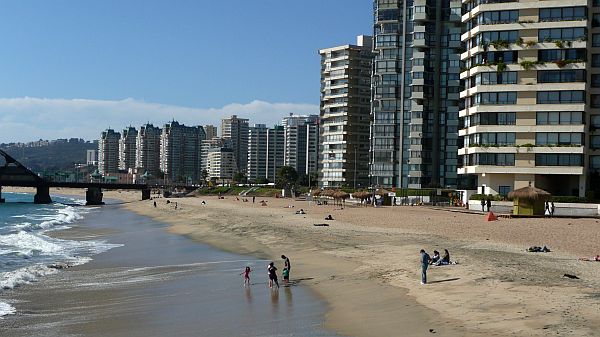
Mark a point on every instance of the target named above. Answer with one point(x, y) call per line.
point(6, 309)
point(25, 275)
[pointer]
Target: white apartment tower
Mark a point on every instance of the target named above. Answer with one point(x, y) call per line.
point(147, 159)
point(345, 111)
point(531, 110)
point(265, 152)
point(180, 152)
point(108, 152)
point(236, 130)
point(127, 146)
point(301, 143)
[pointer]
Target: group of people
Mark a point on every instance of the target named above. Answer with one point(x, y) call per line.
point(272, 273)
point(435, 260)
point(549, 208)
point(486, 202)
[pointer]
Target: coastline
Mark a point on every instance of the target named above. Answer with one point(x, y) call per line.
point(365, 264)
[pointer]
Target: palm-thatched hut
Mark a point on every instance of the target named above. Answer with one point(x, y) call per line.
point(361, 195)
point(341, 196)
point(385, 195)
point(529, 200)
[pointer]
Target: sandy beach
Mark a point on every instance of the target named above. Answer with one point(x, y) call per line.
point(365, 264)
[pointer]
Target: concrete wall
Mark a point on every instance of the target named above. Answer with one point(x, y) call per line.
point(561, 209)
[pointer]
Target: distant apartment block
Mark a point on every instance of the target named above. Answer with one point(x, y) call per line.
point(344, 116)
point(532, 96)
point(207, 146)
point(415, 88)
point(265, 152)
point(127, 148)
point(301, 143)
point(180, 152)
point(147, 158)
point(211, 131)
point(221, 164)
point(92, 157)
point(108, 152)
point(236, 130)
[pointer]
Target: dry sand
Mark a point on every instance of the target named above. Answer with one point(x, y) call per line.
point(366, 264)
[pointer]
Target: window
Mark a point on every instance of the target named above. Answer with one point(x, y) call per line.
point(595, 40)
point(563, 14)
point(552, 55)
point(558, 159)
point(561, 34)
point(497, 159)
point(560, 97)
point(596, 20)
point(595, 121)
point(493, 138)
point(595, 101)
point(558, 138)
point(496, 17)
point(595, 142)
point(503, 190)
point(596, 60)
point(507, 77)
point(595, 162)
point(563, 117)
point(387, 40)
point(491, 98)
point(560, 76)
point(509, 36)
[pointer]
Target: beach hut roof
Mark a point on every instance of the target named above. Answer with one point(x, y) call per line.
point(316, 193)
point(530, 193)
point(341, 195)
point(361, 194)
point(382, 191)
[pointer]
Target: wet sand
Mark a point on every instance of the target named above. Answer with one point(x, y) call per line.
point(159, 284)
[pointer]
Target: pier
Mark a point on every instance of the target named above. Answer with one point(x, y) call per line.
point(13, 173)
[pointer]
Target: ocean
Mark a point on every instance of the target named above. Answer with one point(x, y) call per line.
point(27, 253)
point(134, 278)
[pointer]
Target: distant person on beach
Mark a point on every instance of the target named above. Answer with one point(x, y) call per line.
point(175, 205)
point(203, 202)
point(155, 204)
point(435, 258)
point(246, 274)
point(483, 205)
point(424, 264)
point(489, 204)
point(253, 199)
point(286, 276)
point(547, 207)
point(286, 262)
point(272, 272)
point(552, 208)
point(445, 259)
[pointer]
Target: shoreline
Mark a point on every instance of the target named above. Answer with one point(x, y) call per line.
point(365, 264)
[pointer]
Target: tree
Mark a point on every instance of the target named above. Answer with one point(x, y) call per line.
point(262, 180)
point(287, 177)
point(204, 176)
point(239, 177)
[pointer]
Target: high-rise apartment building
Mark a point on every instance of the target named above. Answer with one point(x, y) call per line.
point(345, 111)
point(211, 131)
point(210, 144)
point(301, 145)
point(127, 146)
point(531, 97)
point(236, 130)
point(147, 159)
point(265, 152)
point(221, 164)
point(108, 152)
point(180, 152)
point(275, 151)
point(415, 88)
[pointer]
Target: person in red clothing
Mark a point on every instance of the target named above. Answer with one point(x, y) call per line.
point(246, 274)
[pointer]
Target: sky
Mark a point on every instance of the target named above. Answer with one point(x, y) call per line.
point(72, 68)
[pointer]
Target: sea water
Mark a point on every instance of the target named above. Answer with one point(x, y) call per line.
point(27, 253)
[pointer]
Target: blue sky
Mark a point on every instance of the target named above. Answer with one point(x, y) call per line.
point(197, 56)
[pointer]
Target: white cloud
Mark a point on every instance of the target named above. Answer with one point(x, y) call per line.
point(28, 118)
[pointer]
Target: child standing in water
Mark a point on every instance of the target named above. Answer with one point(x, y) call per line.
point(286, 276)
point(246, 274)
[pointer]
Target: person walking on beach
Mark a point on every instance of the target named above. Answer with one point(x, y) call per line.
point(272, 272)
point(489, 204)
point(253, 199)
point(286, 265)
point(155, 204)
point(552, 208)
point(483, 205)
point(246, 274)
point(425, 259)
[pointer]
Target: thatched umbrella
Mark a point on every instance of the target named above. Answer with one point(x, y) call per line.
point(316, 193)
point(382, 192)
point(530, 193)
point(529, 200)
point(362, 195)
point(341, 195)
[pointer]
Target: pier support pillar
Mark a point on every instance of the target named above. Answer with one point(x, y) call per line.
point(93, 196)
point(146, 194)
point(42, 196)
point(1, 199)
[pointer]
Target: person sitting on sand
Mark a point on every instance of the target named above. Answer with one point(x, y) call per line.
point(272, 272)
point(246, 274)
point(301, 211)
point(445, 259)
point(435, 258)
point(329, 217)
point(203, 202)
point(593, 258)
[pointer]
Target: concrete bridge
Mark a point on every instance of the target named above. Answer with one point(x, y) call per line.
point(13, 173)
